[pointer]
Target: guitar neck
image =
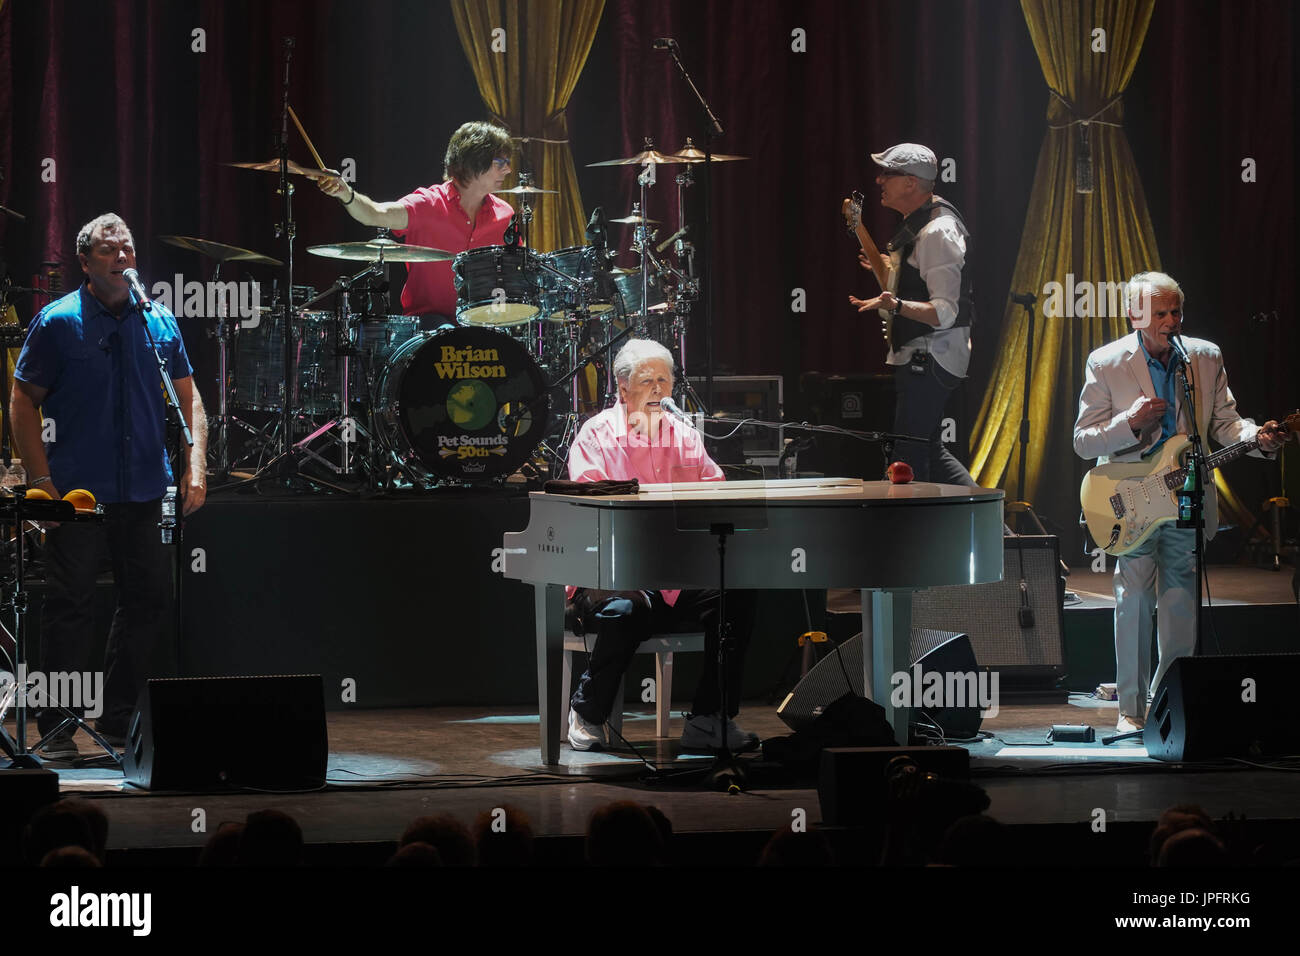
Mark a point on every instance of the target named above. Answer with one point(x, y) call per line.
point(873, 254)
point(1214, 461)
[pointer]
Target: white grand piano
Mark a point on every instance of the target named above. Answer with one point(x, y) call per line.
point(888, 540)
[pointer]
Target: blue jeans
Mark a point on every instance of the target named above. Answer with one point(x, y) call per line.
point(142, 574)
point(918, 410)
point(621, 625)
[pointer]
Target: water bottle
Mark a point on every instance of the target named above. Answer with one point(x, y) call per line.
point(168, 522)
point(1185, 497)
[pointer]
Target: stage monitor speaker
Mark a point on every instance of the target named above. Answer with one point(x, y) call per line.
point(220, 733)
point(1016, 625)
point(853, 785)
point(941, 652)
point(1230, 705)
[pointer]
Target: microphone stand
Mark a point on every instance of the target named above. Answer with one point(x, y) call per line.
point(1191, 499)
point(1024, 506)
point(173, 416)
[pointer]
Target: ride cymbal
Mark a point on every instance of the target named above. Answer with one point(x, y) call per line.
point(376, 249)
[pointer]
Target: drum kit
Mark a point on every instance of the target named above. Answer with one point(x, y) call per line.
point(465, 403)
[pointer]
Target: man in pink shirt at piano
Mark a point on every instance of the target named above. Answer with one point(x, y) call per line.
point(635, 439)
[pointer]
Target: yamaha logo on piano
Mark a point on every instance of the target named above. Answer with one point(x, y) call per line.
point(549, 547)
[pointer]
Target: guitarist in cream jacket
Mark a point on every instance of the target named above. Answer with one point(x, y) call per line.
point(1131, 404)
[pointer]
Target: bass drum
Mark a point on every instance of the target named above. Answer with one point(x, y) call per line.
point(454, 405)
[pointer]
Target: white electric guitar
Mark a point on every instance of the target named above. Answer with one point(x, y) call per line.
point(1124, 502)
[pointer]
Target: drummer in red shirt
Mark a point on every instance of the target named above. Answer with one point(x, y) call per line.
point(635, 439)
point(458, 214)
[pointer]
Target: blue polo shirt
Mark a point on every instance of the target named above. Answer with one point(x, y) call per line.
point(104, 395)
point(1164, 378)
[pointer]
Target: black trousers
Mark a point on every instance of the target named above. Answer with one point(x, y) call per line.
point(919, 411)
point(142, 575)
point(621, 625)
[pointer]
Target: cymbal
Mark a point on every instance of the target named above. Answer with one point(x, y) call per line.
point(635, 220)
point(526, 191)
point(376, 249)
point(691, 154)
point(640, 159)
point(273, 166)
point(219, 250)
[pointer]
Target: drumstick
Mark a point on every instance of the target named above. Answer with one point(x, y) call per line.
point(315, 155)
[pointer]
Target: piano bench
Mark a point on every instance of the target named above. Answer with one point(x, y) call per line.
point(662, 646)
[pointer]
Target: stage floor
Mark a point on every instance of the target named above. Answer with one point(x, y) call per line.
point(387, 767)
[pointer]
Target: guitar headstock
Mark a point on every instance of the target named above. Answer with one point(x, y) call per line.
point(852, 210)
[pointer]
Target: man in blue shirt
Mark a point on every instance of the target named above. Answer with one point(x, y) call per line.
point(89, 412)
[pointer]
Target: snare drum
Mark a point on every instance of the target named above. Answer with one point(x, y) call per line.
point(496, 285)
point(581, 263)
point(448, 405)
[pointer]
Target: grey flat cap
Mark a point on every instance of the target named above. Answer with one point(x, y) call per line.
point(910, 158)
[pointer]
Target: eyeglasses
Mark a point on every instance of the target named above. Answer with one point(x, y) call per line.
point(500, 162)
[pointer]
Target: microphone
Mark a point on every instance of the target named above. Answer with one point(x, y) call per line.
point(597, 228)
point(1023, 298)
point(137, 288)
point(668, 405)
point(1176, 342)
point(665, 43)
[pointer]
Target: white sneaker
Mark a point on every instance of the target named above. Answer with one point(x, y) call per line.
point(701, 733)
point(585, 736)
point(1128, 723)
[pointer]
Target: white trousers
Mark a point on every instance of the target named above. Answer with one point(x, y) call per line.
point(1160, 574)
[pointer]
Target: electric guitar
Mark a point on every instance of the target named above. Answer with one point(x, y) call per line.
point(1124, 502)
point(896, 329)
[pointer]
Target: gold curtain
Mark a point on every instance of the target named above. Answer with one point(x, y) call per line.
point(1100, 236)
point(549, 39)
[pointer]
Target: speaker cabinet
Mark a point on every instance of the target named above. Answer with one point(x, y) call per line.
point(835, 674)
point(1230, 705)
point(219, 733)
point(853, 786)
point(1019, 633)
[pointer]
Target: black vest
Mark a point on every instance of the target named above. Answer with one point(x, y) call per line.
point(910, 284)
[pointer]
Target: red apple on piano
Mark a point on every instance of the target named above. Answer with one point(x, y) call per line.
point(900, 472)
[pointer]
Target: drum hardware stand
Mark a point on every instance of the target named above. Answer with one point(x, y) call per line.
point(225, 332)
point(346, 426)
point(712, 130)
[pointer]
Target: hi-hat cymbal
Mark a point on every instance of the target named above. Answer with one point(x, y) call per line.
point(635, 220)
point(640, 159)
point(273, 166)
point(219, 250)
point(691, 154)
point(376, 249)
point(526, 191)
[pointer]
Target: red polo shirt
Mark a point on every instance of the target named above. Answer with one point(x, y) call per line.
point(434, 218)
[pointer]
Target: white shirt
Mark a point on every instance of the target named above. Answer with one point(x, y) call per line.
point(938, 254)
